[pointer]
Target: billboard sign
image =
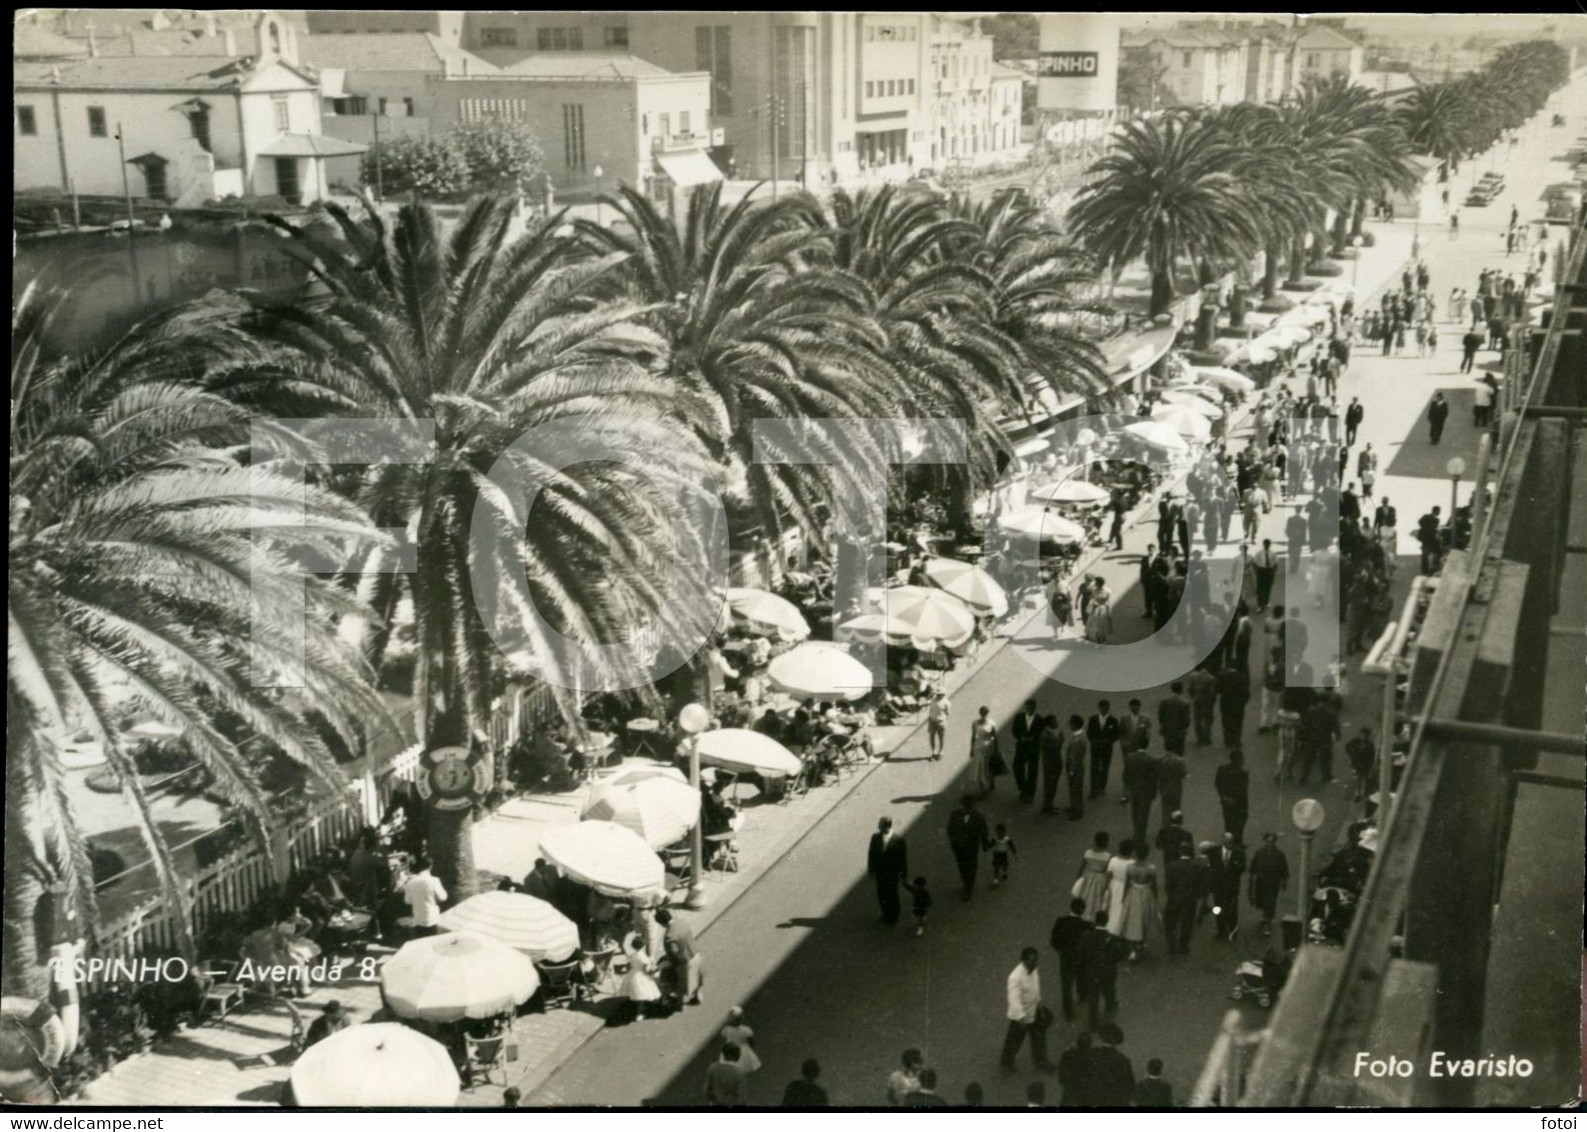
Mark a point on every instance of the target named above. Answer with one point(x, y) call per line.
point(1077, 66)
point(1067, 65)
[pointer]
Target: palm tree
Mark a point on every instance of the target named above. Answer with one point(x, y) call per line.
point(1440, 120)
point(145, 556)
point(489, 336)
point(751, 321)
point(1169, 188)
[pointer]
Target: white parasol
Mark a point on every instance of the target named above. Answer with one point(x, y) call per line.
point(522, 922)
point(1039, 523)
point(768, 614)
point(611, 859)
point(822, 670)
point(736, 748)
point(1187, 422)
point(1188, 400)
point(375, 1065)
point(970, 584)
point(444, 978)
point(659, 809)
point(1158, 435)
point(1228, 378)
point(1070, 491)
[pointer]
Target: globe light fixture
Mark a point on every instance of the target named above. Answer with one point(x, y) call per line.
point(1308, 816)
point(693, 719)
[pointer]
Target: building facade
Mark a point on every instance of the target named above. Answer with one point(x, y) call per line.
point(185, 129)
point(1199, 68)
point(1322, 52)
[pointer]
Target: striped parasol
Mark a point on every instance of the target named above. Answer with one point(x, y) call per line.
point(613, 860)
point(660, 809)
point(523, 922)
point(970, 584)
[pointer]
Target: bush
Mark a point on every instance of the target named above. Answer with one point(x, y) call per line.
point(427, 167)
point(501, 156)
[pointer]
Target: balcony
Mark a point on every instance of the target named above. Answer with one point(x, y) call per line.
point(692, 140)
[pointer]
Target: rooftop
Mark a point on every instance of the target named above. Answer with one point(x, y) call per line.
point(1320, 36)
point(139, 72)
point(579, 65)
point(399, 51)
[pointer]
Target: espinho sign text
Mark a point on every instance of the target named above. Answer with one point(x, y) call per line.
point(1067, 65)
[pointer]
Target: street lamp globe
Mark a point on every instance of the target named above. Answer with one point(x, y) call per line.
point(1456, 467)
point(694, 718)
point(1308, 815)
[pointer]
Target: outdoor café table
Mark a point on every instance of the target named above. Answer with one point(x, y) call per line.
point(640, 734)
point(347, 928)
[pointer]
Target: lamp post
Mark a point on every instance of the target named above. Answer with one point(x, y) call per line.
point(1355, 270)
point(1456, 468)
point(600, 213)
point(693, 719)
point(1308, 816)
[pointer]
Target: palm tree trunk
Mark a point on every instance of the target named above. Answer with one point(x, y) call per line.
point(1162, 293)
point(1341, 233)
point(851, 568)
point(451, 841)
point(1297, 261)
point(1358, 217)
point(1270, 260)
point(1206, 325)
point(1237, 304)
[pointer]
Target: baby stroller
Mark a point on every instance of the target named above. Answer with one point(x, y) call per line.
point(1250, 979)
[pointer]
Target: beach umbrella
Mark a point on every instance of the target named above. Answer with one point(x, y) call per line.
point(821, 670)
point(970, 584)
point(738, 749)
point(1227, 378)
point(1287, 336)
point(1188, 400)
point(768, 614)
point(523, 922)
point(929, 617)
point(1259, 352)
point(1158, 435)
point(445, 978)
point(865, 627)
point(641, 773)
point(1040, 523)
point(610, 858)
point(661, 810)
point(375, 1065)
point(1187, 422)
point(1067, 491)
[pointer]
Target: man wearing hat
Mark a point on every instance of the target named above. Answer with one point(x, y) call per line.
point(331, 1020)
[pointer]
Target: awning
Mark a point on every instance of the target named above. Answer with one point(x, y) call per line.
point(688, 167)
point(148, 159)
point(311, 145)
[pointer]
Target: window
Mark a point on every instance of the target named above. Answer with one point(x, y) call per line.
point(683, 123)
point(1185, 62)
point(498, 37)
point(96, 122)
point(353, 105)
point(713, 52)
point(911, 86)
point(890, 91)
point(573, 136)
point(870, 90)
point(560, 39)
point(283, 113)
point(380, 107)
point(407, 107)
point(27, 122)
point(198, 121)
point(1311, 59)
point(614, 37)
point(666, 125)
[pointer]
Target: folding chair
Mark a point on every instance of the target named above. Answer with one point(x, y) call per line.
point(483, 1055)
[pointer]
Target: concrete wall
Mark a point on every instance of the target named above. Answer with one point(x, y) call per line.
point(523, 29)
point(447, 25)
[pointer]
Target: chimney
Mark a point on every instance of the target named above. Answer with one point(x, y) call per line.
point(55, 72)
point(210, 31)
point(93, 44)
point(231, 43)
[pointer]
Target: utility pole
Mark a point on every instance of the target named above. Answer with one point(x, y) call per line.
point(380, 178)
point(126, 185)
point(773, 116)
point(804, 132)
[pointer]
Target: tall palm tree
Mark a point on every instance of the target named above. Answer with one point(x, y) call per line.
point(488, 335)
point(1440, 120)
point(145, 558)
point(1169, 188)
point(751, 321)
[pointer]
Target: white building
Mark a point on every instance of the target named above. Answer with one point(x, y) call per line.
point(185, 129)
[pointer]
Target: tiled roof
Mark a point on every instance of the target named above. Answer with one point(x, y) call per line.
point(1320, 36)
point(582, 65)
point(138, 72)
point(1004, 71)
point(399, 51)
point(31, 41)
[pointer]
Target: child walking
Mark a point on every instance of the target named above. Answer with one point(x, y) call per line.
point(1003, 851)
point(920, 901)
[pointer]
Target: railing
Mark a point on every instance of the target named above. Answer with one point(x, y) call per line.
point(1222, 1080)
point(1439, 859)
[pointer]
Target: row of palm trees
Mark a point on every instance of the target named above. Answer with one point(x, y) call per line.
point(1463, 116)
point(156, 527)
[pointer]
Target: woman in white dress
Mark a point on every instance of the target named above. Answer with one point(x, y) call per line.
point(740, 1034)
point(1118, 873)
point(1091, 883)
point(1141, 919)
point(1099, 620)
point(639, 984)
point(983, 751)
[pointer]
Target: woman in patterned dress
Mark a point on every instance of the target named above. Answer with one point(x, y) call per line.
point(1118, 882)
point(1141, 920)
point(1091, 884)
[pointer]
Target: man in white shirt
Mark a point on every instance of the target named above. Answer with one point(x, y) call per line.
point(1026, 1016)
point(937, 713)
point(424, 894)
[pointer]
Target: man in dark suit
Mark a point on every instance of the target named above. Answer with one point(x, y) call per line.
point(1167, 522)
point(1152, 1091)
point(1233, 783)
point(1174, 840)
point(1384, 516)
point(1135, 729)
point(1173, 718)
point(968, 838)
point(1067, 933)
point(1112, 1075)
point(1099, 970)
point(1074, 1073)
point(1102, 731)
point(1437, 414)
point(1185, 886)
point(1234, 693)
point(888, 863)
point(1140, 783)
point(1171, 781)
point(1146, 578)
point(1027, 729)
point(1227, 862)
point(1354, 415)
